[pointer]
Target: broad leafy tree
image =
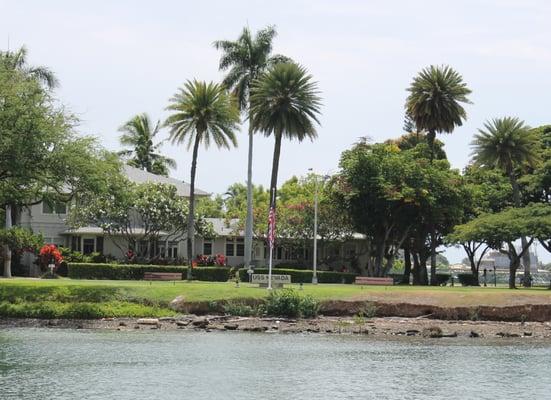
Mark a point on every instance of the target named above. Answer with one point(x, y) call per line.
point(510, 145)
point(202, 113)
point(41, 156)
point(133, 214)
point(138, 135)
point(435, 103)
point(486, 191)
point(284, 104)
point(244, 60)
point(502, 230)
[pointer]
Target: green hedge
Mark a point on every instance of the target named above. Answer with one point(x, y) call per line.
point(467, 279)
point(136, 271)
point(303, 276)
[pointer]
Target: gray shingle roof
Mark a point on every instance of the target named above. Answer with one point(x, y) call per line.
point(224, 227)
point(140, 176)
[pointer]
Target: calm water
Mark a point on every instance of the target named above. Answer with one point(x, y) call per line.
point(66, 364)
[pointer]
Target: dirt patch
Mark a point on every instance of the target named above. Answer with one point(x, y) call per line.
point(518, 313)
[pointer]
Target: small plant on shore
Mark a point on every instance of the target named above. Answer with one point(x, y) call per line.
point(368, 311)
point(359, 320)
point(239, 309)
point(289, 303)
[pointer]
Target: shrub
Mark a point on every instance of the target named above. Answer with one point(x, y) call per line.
point(283, 303)
point(442, 279)
point(288, 303)
point(239, 309)
point(467, 279)
point(136, 271)
point(211, 261)
point(303, 276)
point(309, 307)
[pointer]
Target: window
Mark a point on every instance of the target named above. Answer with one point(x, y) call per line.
point(240, 248)
point(235, 247)
point(88, 246)
point(57, 207)
point(75, 243)
point(207, 248)
point(99, 244)
point(172, 250)
point(230, 248)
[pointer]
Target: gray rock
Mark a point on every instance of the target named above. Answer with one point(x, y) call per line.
point(200, 322)
point(148, 321)
point(182, 323)
point(432, 332)
point(178, 304)
point(231, 327)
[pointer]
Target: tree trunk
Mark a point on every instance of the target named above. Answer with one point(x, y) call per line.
point(416, 269)
point(6, 249)
point(513, 265)
point(275, 168)
point(407, 266)
point(433, 280)
point(527, 280)
point(191, 215)
point(474, 270)
point(249, 220)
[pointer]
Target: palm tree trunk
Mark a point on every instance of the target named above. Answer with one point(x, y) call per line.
point(275, 168)
point(6, 250)
point(249, 220)
point(431, 136)
point(527, 280)
point(191, 215)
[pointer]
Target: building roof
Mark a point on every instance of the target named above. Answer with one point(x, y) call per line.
point(140, 176)
point(225, 227)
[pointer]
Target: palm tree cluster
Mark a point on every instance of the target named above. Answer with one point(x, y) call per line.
point(435, 105)
point(278, 96)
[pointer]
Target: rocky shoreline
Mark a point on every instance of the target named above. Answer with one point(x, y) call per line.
point(373, 327)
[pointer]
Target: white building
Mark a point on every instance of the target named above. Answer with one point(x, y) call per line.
point(501, 261)
point(228, 241)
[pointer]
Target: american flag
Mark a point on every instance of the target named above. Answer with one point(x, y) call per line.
point(271, 227)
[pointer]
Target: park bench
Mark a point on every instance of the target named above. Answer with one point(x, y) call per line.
point(162, 276)
point(369, 280)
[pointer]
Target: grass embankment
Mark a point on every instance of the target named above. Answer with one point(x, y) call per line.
point(65, 298)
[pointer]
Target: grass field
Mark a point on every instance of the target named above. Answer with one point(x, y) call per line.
point(65, 298)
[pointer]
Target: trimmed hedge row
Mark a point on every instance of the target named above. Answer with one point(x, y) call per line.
point(467, 279)
point(136, 271)
point(303, 276)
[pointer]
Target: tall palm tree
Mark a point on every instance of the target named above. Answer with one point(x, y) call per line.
point(284, 103)
point(434, 103)
point(17, 61)
point(202, 113)
point(246, 58)
point(139, 134)
point(508, 144)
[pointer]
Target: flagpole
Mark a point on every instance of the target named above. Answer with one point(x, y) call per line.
point(271, 240)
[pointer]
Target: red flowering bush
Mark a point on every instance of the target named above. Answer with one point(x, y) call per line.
point(49, 253)
point(210, 261)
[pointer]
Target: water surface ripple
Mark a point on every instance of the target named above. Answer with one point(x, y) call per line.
point(80, 364)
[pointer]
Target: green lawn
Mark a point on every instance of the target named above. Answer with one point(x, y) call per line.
point(95, 298)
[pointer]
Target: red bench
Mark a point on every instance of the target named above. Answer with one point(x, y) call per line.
point(369, 280)
point(162, 276)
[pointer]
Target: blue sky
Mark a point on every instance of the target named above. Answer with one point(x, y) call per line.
point(119, 58)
